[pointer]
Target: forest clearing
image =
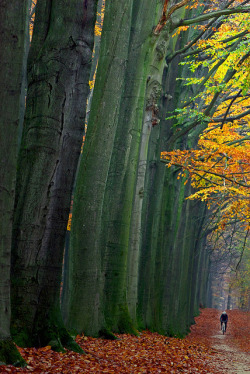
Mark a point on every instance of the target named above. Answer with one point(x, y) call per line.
point(124, 184)
point(205, 350)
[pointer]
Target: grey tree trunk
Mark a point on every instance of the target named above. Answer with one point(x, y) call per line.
point(84, 310)
point(171, 228)
point(13, 15)
point(58, 73)
point(150, 119)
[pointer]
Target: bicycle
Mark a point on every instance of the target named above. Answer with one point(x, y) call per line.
point(223, 327)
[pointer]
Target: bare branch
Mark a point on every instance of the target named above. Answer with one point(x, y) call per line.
point(195, 171)
point(165, 16)
point(241, 255)
point(230, 119)
point(207, 16)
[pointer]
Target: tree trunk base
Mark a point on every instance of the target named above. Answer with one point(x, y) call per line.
point(47, 331)
point(9, 354)
point(107, 334)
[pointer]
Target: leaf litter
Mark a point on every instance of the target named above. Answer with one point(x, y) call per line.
point(149, 352)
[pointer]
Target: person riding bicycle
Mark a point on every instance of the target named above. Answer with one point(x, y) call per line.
point(224, 318)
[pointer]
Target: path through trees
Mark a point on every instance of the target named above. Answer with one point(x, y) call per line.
point(230, 351)
point(204, 350)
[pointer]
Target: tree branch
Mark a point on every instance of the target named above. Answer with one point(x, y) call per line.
point(211, 72)
point(238, 141)
point(230, 119)
point(196, 171)
point(165, 16)
point(242, 252)
point(195, 52)
point(192, 42)
point(205, 17)
point(228, 108)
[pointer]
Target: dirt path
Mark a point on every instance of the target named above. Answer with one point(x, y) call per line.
point(233, 360)
point(232, 350)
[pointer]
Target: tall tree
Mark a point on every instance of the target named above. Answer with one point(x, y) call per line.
point(171, 240)
point(58, 73)
point(13, 15)
point(83, 308)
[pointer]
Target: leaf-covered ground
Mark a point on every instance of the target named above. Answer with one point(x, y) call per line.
point(205, 350)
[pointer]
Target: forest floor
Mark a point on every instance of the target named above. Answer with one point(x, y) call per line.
point(204, 350)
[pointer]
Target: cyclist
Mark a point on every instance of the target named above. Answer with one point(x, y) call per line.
point(224, 318)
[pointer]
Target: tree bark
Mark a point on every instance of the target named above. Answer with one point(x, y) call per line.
point(58, 73)
point(85, 312)
point(171, 227)
point(121, 180)
point(150, 119)
point(13, 15)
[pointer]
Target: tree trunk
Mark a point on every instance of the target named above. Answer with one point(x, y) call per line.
point(84, 310)
point(58, 73)
point(13, 15)
point(121, 181)
point(229, 297)
point(150, 119)
point(171, 226)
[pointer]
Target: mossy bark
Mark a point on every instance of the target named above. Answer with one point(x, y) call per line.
point(153, 92)
point(13, 15)
point(121, 183)
point(171, 225)
point(9, 354)
point(84, 309)
point(58, 74)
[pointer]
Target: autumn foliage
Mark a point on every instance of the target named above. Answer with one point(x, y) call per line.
point(219, 166)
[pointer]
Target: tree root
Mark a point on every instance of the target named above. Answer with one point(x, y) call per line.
point(9, 354)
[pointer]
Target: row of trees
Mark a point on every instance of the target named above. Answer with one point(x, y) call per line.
point(137, 254)
point(229, 282)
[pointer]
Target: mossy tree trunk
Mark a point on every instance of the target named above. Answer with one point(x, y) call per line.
point(82, 309)
point(13, 15)
point(171, 226)
point(150, 119)
point(170, 254)
point(58, 74)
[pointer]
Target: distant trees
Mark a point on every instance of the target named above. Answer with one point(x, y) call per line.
point(229, 273)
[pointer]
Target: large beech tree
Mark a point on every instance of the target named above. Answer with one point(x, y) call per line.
point(58, 72)
point(13, 16)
